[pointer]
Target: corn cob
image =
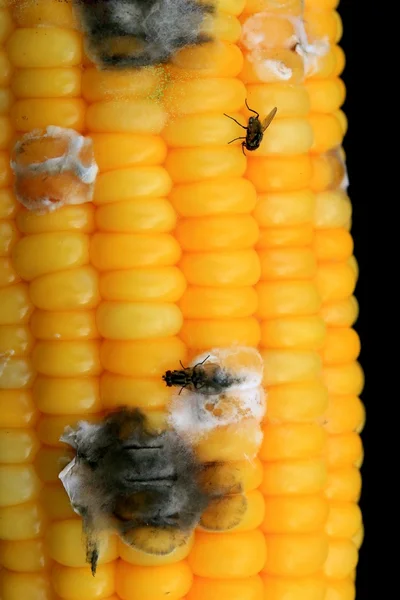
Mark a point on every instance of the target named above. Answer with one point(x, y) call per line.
point(128, 290)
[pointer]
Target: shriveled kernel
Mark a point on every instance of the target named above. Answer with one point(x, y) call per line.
point(228, 556)
point(136, 557)
point(301, 514)
point(134, 582)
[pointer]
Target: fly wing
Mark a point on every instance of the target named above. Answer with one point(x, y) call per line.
point(267, 121)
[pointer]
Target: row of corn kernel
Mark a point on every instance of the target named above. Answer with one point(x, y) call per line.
point(136, 254)
point(21, 519)
point(53, 256)
point(217, 234)
point(292, 331)
point(336, 279)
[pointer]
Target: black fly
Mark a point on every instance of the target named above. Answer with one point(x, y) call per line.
point(187, 376)
point(208, 379)
point(255, 129)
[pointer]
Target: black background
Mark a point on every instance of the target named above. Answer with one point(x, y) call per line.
point(351, 46)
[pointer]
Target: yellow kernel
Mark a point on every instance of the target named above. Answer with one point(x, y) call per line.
point(321, 24)
point(44, 12)
point(8, 236)
point(333, 209)
point(297, 477)
point(287, 263)
point(67, 396)
point(247, 588)
point(303, 401)
point(44, 47)
point(194, 164)
point(5, 69)
point(49, 463)
point(136, 582)
point(22, 522)
point(344, 450)
point(8, 276)
point(8, 204)
point(300, 333)
point(66, 544)
point(6, 132)
point(276, 174)
point(252, 516)
point(326, 95)
point(335, 281)
point(17, 409)
point(230, 443)
point(342, 345)
point(15, 340)
point(6, 100)
point(18, 445)
point(19, 484)
point(297, 298)
point(128, 184)
point(214, 59)
point(286, 137)
point(292, 100)
point(342, 559)
point(340, 589)
point(150, 358)
point(47, 325)
point(139, 558)
point(327, 171)
point(327, 131)
point(222, 26)
point(24, 555)
point(66, 290)
point(193, 130)
point(111, 251)
point(6, 25)
point(149, 215)
point(61, 82)
point(116, 390)
point(228, 556)
point(217, 233)
point(333, 244)
point(342, 313)
point(30, 586)
point(218, 303)
point(119, 150)
point(345, 413)
point(344, 379)
point(301, 514)
point(343, 485)
point(215, 197)
point(164, 284)
point(292, 441)
point(230, 269)
point(358, 537)
point(324, 66)
point(41, 113)
point(344, 519)
point(57, 251)
point(74, 583)
point(287, 366)
point(134, 321)
point(193, 96)
point(5, 170)
point(16, 373)
point(67, 359)
point(55, 502)
point(66, 218)
point(125, 116)
point(282, 209)
point(232, 7)
point(291, 588)
point(203, 334)
point(116, 85)
point(296, 555)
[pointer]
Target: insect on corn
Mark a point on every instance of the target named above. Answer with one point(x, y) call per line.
point(254, 130)
point(207, 378)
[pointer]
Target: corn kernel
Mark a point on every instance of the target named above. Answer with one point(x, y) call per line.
point(302, 401)
point(194, 164)
point(345, 413)
point(235, 442)
point(292, 588)
point(128, 184)
point(302, 333)
point(109, 85)
point(41, 113)
point(230, 269)
point(333, 244)
point(125, 116)
point(344, 450)
point(44, 47)
point(215, 59)
point(276, 174)
point(47, 325)
point(344, 519)
point(340, 589)
point(128, 321)
point(218, 303)
point(301, 514)
point(16, 373)
point(44, 12)
point(296, 555)
point(19, 484)
point(298, 477)
point(291, 441)
point(22, 522)
point(73, 583)
point(17, 409)
point(61, 82)
point(342, 345)
point(149, 358)
point(333, 209)
point(217, 233)
point(139, 558)
point(277, 209)
point(344, 485)
point(15, 304)
point(26, 556)
point(66, 290)
point(66, 218)
point(248, 588)
point(136, 582)
point(344, 379)
point(18, 445)
point(67, 358)
point(55, 502)
point(19, 338)
point(342, 559)
point(31, 586)
point(342, 313)
point(201, 334)
point(195, 96)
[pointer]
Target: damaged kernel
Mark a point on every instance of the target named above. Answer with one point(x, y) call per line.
point(53, 167)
